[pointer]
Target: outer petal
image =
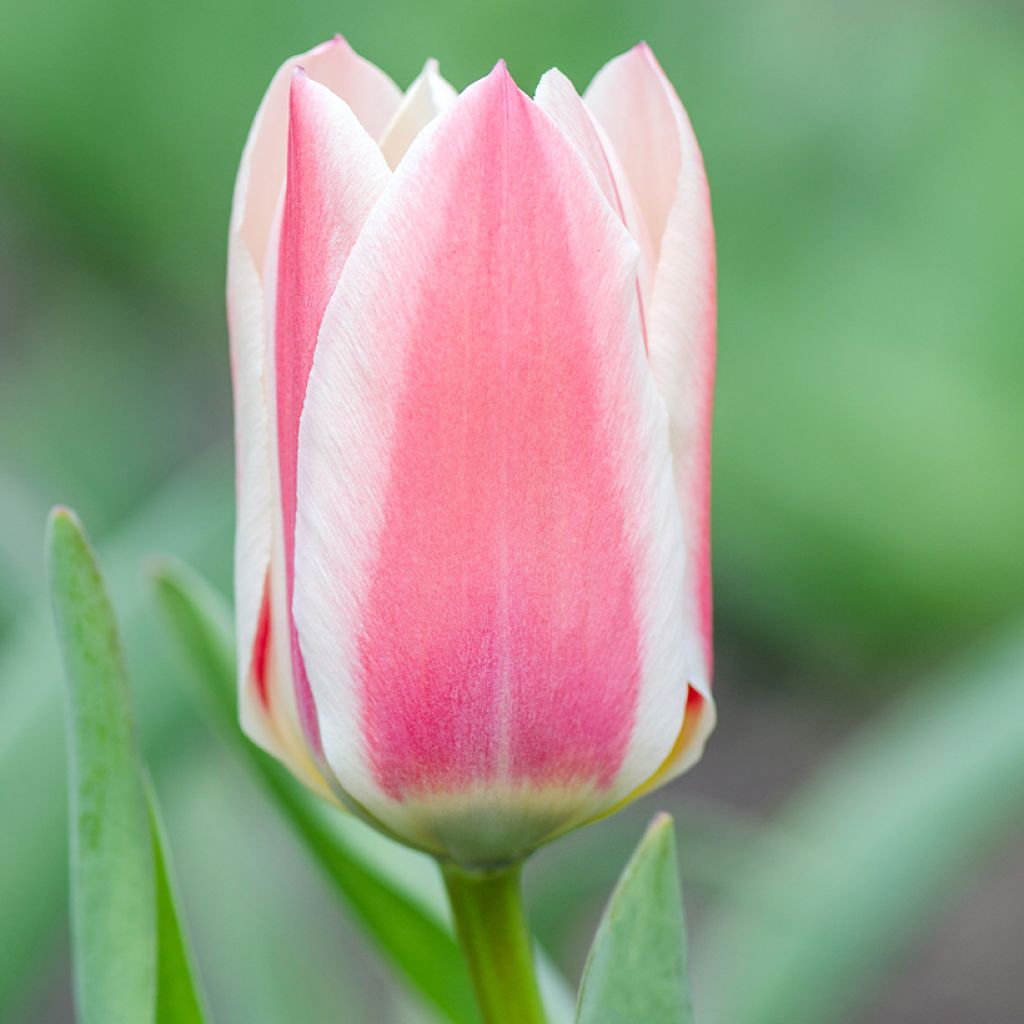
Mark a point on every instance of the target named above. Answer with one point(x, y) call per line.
point(427, 97)
point(253, 487)
point(639, 110)
point(336, 172)
point(489, 555)
point(557, 97)
point(267, 702)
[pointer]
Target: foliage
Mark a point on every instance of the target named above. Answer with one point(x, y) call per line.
point(131, 964)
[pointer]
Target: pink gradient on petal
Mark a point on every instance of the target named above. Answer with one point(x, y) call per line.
point(330, 188)
point(261, 649)
point(499, 635)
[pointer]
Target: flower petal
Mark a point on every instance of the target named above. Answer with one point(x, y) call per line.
point(370, 94)
point(558, 98)
point(641, 113)
point(252, 484)
point(489, 552)
point(267, 701)
point(633, 104)
point(428, 96)
point(336, 172)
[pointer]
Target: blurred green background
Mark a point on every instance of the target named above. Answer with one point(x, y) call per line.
point(852, 847)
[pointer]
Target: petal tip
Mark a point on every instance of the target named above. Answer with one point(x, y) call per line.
point(644, 52)
point(500, 73)
point(337, 41)
point(552, 76)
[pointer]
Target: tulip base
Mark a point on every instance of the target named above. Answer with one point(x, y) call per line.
point(492, 930)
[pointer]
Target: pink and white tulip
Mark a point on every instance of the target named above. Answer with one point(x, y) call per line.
point(473, 354)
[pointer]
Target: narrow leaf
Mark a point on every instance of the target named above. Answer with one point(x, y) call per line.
point(112, 900)
point(636, 970)
point(129, 959)
point(178, 999)
point(410, 935)
point(34, 878)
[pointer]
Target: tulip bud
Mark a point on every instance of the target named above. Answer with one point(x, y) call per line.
point(473, 353)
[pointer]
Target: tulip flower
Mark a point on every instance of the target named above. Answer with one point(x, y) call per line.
point(473, 353)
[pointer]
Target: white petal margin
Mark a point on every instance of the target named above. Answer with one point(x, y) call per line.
point(252, 476)
point(429, 95)
point(344, 443)
point(642, 115)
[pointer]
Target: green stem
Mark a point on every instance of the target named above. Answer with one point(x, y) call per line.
point(495, 939)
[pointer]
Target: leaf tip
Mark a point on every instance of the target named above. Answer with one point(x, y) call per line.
point(661, 829)
point(65, 543)
point(61, 520)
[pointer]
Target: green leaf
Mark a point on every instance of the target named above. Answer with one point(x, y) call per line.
point(856, 866)
point(113, 910)
point(412, 936)
point(34, 878)
point(562, 886)
point(636, 970)
point(178, 999)
point(123, 921)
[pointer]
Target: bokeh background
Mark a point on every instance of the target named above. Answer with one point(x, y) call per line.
point(852, 847)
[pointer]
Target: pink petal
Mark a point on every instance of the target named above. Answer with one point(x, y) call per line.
point(427, 97)
point(267, 702)
point(335, 174)
point(488, 551)
point(641, 113)
point(267, 706)
point(371, 95)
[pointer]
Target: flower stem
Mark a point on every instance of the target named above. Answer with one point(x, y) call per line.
point(495, 939)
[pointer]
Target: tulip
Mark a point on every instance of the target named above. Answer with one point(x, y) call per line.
point(472, 342)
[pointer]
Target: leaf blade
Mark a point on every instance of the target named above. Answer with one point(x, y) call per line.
point(178, 998)
point(130, 958)
point(112, 899)
point(34, 879)
point(637, 966)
